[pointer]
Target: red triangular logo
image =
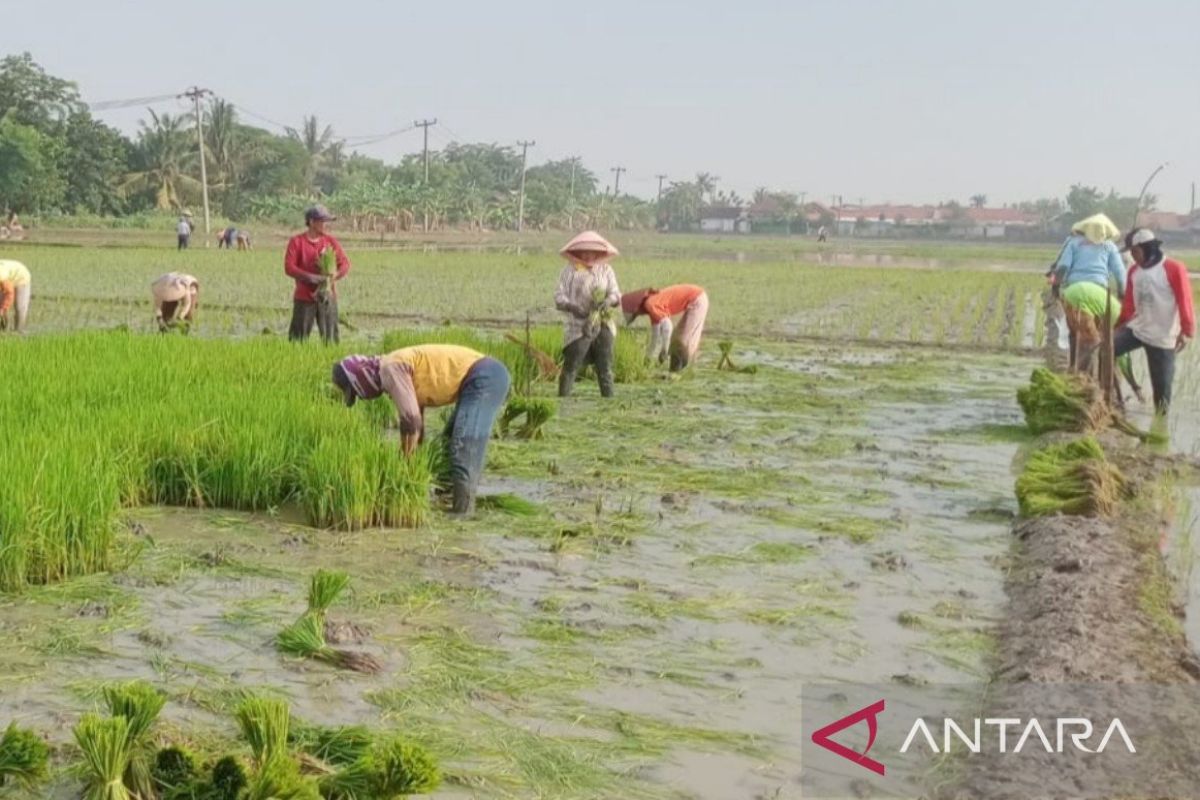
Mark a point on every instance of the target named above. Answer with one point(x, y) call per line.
point(869, 714)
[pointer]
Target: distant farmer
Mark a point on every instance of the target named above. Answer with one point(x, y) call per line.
point(15, 288)
point(822, 234)
point(176, 296)
point(315, 298)
point(1088, 265)
point(428, 376)
point(1057, 341)
point(226, 238)
point(1157, 314)
point(682, 341)
point(243, 240)
point(183, 231)
point(588, 294)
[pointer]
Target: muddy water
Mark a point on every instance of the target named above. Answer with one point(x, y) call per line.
point(708, 545)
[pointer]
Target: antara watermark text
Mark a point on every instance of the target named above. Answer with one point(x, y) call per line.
point(1053, 736)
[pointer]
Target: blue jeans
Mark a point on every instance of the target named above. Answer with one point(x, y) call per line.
point(1161, 361)
point(480, 398)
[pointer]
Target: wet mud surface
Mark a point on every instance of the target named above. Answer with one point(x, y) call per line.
point(704, 546)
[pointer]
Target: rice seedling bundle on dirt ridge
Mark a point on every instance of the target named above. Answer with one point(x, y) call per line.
point(1055, 402)
point(1070, 478)
point(115, 420)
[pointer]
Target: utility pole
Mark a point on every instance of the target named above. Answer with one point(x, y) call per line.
point(1193, 209)
point(617, 183)
point(521, 200)
point(661, 178)
point(195, 93)
point(571, 202)
point(426, 124)
point(802, 196)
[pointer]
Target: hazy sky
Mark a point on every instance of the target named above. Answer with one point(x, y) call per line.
point(912, 100)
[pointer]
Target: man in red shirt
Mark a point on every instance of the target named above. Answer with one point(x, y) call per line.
point(315, 298)
point(660, 305)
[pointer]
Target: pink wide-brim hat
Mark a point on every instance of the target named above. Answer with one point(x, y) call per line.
point(589, 241)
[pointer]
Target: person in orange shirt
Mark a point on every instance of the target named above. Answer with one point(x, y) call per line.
point(428, 376)
point(682, 342)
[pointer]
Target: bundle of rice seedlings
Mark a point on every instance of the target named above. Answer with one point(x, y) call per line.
point(23, 757)
point(106, 751)
point(263, 722)
point(726, 360)
point(228, 779)
point(324, 589)
point(339, 746)
point(175, 774)
point(511, 504)
point(537, 411)
point(403, 768)
point(1069, 478)
point(1054, 402)
point(280, 779)
point(139, 704)
point(305, 638)
point(355, 781)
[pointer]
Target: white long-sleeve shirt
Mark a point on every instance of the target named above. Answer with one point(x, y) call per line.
point(576, 286)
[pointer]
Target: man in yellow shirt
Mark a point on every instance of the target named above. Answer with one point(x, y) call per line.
point(15, 283)
point(428, 376)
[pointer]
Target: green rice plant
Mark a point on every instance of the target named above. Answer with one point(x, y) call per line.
point(339, 746)
point(152, 419)
point(1070, 478)
point(175, 774)
point(534, 413)
point(24, 757)
point(263, 722)
point(106, 750)
point(1054, 402)
point(280, 779)
point(402, 768)
point(305, 638)
point(355, 781)
point(324, 589)
point(139, 704)
point(228, 779)
point(511, 504)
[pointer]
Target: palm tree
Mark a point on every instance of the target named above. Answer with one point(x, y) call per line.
point(163, 153)
point(221, 141)
point(978, 200)
point(316, 142)
point(706, 182)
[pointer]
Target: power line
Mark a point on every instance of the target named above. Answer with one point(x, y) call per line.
point(112, 105)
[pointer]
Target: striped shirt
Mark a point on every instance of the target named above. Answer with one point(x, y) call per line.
point(576, 286)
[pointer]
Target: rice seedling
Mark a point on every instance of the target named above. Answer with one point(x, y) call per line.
point(280, 779)
point(175, 774)
point(1054, 402)
point(403, 768)
point(173, 421)
point(339, 746)
point(105, 746)
point(263, 722)
point(228, 778)
point(1071, 478)
point(305, 638)
point(24, 757)
point(533, 412)
point(139, 704)
point(510, 504)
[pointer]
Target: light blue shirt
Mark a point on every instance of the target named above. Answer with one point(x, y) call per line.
point(1081, 261)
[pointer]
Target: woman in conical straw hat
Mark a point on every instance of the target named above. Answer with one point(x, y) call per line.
point(587, 294)
point(1089, 264)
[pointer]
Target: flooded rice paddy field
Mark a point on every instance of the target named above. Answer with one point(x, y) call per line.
point(704, 546)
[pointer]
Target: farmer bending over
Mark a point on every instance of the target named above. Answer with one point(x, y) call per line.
point(15, 287)
point(1089, 261)
point(587, 293)
point(1157, 313)
point(176, 296)
point(432, 375)
point(662, 304)
point(225, 238)
point(315, 298)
